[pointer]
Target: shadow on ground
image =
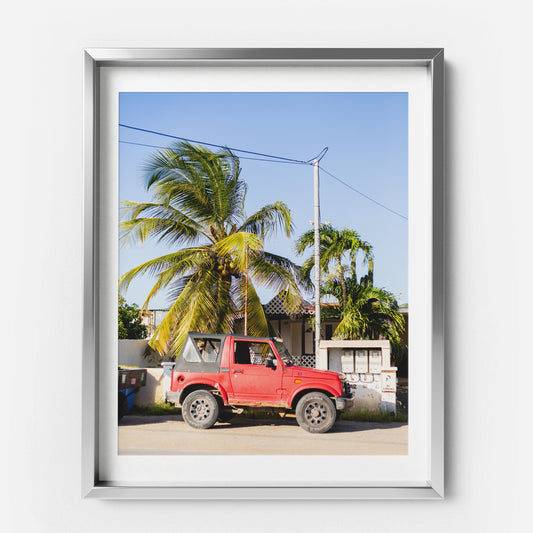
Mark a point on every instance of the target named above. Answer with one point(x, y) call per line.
point(341, 426)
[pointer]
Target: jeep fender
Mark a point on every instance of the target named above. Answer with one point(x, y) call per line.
point(324, 387)
point(208, 383)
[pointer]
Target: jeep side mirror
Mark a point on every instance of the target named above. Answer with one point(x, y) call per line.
point(270, 363)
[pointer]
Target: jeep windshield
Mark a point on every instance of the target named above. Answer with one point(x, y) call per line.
point(283, 352)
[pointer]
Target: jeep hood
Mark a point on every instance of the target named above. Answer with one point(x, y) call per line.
point(304, 372)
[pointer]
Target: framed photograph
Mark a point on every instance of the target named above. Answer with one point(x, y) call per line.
point(269, 224)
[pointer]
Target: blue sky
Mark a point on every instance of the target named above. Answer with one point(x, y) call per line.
point(366, 134)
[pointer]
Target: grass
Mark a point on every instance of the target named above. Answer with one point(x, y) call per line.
point(156, 409)
point(372, 416)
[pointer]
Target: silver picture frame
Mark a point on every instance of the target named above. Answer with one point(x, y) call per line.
point(431, 59)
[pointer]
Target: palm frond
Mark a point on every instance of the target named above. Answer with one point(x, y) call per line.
point(160, 221)
point(279, 279)
point(268, 220)
point(196, 180)
point(297, 271)
point(177, 263)
point(234, 247)
point(370, 312)
point(257, 321)
point(195, 309)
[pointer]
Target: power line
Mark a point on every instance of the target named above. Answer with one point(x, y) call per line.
point(142, 144)
point(274, 159)
point(363, 194)
point(240, 157)
point(308, 162)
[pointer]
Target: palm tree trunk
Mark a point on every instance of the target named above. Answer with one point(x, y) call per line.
point(343, 285)
point(371, 271)
point(246, 295)
point(353, 272)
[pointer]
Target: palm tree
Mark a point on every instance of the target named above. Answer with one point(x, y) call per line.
point(198, 203)
point(365, 311)
point(370, 312)
point(334, 244)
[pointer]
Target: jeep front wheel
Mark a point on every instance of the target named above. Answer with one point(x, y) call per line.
point(315, 412)
point(200, 409)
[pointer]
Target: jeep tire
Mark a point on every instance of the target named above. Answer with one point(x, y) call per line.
point(200, 409)
point(315, 412)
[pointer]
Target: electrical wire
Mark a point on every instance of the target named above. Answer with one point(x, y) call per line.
point(308, 162)
point(363, 194)
point(321, 154)
point(273, 159)
point(240, 157)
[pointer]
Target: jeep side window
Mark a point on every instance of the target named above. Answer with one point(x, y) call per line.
point(201, 349)
point(208, 348)
point(190, 353)
point(252, 353)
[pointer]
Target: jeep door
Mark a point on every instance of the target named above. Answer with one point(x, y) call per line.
point(253, 382)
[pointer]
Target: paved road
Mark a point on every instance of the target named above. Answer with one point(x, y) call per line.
point(170, 435)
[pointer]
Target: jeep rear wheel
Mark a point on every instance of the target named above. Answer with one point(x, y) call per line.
point(315, 412)
point(200, 409)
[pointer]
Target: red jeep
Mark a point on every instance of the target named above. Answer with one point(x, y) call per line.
point(215, 375)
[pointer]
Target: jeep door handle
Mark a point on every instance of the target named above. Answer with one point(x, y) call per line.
point(237, 371)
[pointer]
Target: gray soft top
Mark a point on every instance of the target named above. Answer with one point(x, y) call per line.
point(202, 351)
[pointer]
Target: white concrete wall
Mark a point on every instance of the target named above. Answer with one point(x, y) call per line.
point(152, 392)
point(489, 217)
point(336, 346)
point(373, 382)
point(130, 352)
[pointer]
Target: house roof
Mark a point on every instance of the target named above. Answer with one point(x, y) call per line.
point(276, 308)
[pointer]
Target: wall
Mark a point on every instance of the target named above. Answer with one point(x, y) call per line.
point(152, 392)
point(488, 255)
point(372, 379)
point(130, 352)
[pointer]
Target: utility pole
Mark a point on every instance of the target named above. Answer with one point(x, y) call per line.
point(317, 259)
point(246, 294)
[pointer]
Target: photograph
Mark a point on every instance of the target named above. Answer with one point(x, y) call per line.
point(250, 266)
point(263, 299)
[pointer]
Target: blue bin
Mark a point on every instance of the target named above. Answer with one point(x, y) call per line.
point(130, 396)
